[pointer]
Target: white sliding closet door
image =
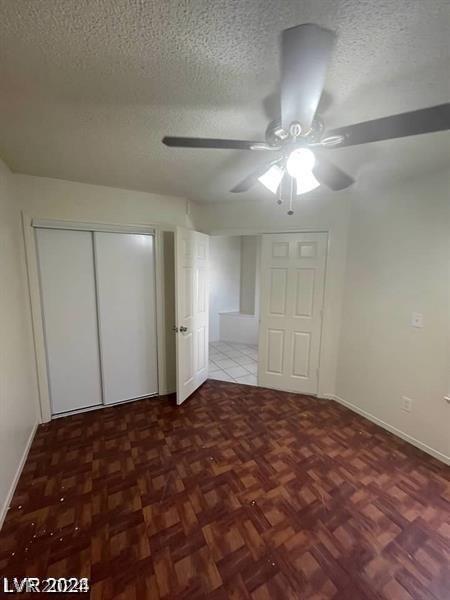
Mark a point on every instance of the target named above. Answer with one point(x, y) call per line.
point(125, 274)
point(66, 266)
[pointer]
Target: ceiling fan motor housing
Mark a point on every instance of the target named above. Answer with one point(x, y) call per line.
point(276, 135)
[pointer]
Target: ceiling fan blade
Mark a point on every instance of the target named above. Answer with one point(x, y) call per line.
point(330, 175)
point(249, 181)
point(186, 142)
point(306, 51)
point(415, 122)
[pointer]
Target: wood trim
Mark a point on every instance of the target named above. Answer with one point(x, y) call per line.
point(36, 318)
point(87, 226)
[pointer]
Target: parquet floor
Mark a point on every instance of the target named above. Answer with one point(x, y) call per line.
point(240, 493)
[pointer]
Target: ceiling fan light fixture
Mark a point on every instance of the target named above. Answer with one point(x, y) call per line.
point(306, 183)
point(271, 179)
point(300, 162)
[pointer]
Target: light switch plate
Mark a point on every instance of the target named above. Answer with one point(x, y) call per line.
point(417, 320)
point(406, 404)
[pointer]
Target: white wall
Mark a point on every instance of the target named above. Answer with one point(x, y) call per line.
point(399, 263)
point(249, 261)
point(225, 277)
point(18, 385)
point(317, 211)
point(58, 199)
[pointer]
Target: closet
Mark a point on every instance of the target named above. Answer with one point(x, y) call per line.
point(99, 316)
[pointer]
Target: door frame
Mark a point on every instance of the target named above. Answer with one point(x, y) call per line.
point(326, 302)
point(29, 224)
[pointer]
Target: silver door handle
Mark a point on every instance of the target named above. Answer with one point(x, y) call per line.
point(183, 329)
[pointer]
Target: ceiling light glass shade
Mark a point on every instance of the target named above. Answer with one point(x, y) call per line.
point(306, 183)
point(300, 162)
point(271, 179)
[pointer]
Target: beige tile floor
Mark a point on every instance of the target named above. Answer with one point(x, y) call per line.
point(229, 361)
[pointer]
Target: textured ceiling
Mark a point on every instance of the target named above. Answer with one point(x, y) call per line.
point(89, 87)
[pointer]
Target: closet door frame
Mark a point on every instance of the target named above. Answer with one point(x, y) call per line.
point(29, 225)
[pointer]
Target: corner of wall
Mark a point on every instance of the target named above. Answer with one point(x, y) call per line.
point(398, 262)
point(17, 362)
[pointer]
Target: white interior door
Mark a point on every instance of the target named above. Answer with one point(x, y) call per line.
point(293, 273)
point(66, 269)
point(191, 291)
point(125, 274)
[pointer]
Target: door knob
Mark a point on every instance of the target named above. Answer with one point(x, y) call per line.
point(183, 329)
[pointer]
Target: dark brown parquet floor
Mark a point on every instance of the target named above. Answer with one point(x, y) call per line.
point(242, 492)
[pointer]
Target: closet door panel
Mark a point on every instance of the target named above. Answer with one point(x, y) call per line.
point(66, 265)
point(125, 275)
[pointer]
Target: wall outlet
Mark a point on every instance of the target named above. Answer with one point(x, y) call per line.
point(417, 320)
point(406, 404)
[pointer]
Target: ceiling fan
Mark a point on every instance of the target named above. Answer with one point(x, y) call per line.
point(305, 53)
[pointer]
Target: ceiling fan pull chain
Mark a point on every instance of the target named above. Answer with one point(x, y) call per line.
point(291, 198)
point(280, 192)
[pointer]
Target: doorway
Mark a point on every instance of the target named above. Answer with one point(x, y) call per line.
point(234, 300)
point(258, 307)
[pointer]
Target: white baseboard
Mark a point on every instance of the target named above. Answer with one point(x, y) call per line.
point(398, 432)
point(12, 488)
